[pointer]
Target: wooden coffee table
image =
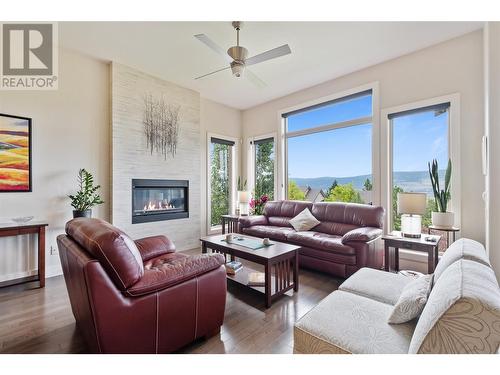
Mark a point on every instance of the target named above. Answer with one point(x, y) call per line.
point(280, 261)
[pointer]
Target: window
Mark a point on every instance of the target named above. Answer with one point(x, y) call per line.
point(418, 136)
point(264, 161)
point(221, 176)
point(329, 151)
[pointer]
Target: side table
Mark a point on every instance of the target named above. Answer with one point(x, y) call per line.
point(397, 241)
point(232, 223)
point(17, 229)
point(450, 232)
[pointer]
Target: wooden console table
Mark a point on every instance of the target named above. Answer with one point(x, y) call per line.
point(18, 229)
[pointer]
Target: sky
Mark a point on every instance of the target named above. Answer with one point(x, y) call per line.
point(418, 138)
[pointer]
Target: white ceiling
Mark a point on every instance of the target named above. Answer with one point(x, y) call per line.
point(320, 51)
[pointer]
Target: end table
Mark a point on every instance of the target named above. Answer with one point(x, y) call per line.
point(397, 241)
point(232, 223)
point(450, 232)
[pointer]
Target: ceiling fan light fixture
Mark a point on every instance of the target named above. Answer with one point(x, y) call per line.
point(238, 53)
point(237, 68)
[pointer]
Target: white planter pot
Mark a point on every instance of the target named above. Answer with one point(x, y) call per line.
point(443, 219)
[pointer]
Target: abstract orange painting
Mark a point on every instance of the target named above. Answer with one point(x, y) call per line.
point(15, 153)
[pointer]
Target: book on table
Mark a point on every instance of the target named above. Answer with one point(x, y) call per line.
point(256, 279)
point(233, 267)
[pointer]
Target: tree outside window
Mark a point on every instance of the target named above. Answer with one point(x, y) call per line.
point(264, 168)
point(219, 181)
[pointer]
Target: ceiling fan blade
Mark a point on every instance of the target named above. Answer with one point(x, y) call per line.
point(216, 71)
point(213, 46)
point(256, 81)
point(268, 55)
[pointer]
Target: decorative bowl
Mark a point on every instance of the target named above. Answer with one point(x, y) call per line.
point(23, 219)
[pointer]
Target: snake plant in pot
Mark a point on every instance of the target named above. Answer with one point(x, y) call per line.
point(441, 217)
point(86, 197)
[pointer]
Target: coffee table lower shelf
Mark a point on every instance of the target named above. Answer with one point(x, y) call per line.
point(242, 277)
point(280, 261)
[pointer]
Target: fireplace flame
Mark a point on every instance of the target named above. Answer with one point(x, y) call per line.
point(159, 205)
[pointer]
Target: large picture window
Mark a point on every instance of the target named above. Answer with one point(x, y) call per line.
point(221, 176)
point(329, 151)
point(418, 136)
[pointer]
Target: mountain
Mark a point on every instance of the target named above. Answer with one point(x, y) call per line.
point(417, 181)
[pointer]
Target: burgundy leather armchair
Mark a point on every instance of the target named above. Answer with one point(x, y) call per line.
point(139, 296)
point(344, 241)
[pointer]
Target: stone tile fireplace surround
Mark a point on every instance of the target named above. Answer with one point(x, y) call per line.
point(133, 161)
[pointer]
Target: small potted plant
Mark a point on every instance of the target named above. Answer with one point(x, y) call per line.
point(86, 197)
point(441, 217)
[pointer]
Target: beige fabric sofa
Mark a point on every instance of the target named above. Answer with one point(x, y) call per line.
point(462, 314)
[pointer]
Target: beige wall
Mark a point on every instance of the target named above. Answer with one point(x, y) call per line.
point(218, 119)
point(455, 66)
point(70, 131)
point(492, 47)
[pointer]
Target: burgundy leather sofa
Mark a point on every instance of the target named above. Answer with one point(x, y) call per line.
point(139, 296)
point(342, 243)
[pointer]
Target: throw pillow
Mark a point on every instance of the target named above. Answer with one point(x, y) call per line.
point(304, 221)
point(412, 300)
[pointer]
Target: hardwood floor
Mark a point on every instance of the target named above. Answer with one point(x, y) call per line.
point(34, 320)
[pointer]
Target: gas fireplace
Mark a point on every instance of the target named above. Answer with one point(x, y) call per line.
point(157, 200)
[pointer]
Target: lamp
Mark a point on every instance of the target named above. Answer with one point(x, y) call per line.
point(412, 206)
point(243, 202)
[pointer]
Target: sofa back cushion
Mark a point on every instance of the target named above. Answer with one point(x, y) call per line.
point(462, 314)
point(463, 248)
point(339, 218)
point(279, 213)
point(116, 251)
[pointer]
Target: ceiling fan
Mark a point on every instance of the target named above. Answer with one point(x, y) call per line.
point(236, 56)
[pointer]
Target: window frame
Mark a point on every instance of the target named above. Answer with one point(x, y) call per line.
point(453, 151)
point(233, 173)
point(373, 119)
point(251, 161)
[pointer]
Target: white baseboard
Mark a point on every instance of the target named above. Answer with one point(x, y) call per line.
point(18, 275)
point(51, 271)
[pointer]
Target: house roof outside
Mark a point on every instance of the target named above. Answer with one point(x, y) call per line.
point(312, 194)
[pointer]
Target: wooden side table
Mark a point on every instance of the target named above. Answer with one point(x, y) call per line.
point(450, 232)
point(232, 223)
point(397, 241)
point(16, 229)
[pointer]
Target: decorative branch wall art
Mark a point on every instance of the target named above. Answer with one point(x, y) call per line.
point(161, 125)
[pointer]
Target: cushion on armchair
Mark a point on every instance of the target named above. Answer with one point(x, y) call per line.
point(166, 271)
point(116, 251)
point(412, 300)
point(154, 246)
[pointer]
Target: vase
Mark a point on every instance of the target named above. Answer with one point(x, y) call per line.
point(85, 213)
point(443, 219)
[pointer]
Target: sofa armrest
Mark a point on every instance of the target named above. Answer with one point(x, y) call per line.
point(248, 221)
point(154, 246)
point(363, 234)
point(166, 275)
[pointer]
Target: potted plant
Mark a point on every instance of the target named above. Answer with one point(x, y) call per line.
point(441, 217)
point(257, 204)
point(86, 197)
